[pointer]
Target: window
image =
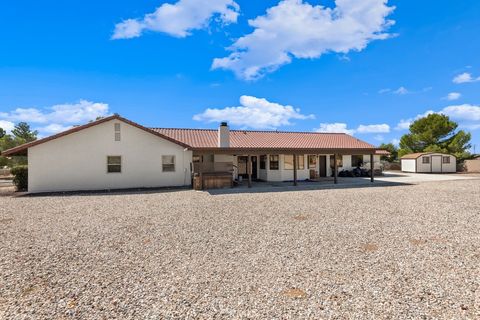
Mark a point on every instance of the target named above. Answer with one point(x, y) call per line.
point(357, 160)
point(425, 160)
point(312, 162)
point(263, 162)
point(197, 159)
point(117, 131)
point(289, 162)
point(446, 159)
point(339, 161)
point(114, 164)
point(168, 163)
point(274, 162)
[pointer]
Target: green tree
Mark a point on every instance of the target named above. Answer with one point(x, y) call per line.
point(435, 133)
point(23, 132)
point(390, 147)
point(2, 133)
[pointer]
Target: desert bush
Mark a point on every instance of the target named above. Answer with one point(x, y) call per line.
point(20, 177)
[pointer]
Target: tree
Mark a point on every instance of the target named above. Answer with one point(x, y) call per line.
point(2, 133)
point(22, 131)
point(435, 133)
point(390, 147)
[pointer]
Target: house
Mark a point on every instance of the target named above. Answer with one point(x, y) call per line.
point(429, 162)
point(116, 153)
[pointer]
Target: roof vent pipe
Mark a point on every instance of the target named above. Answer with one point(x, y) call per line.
point(224, 136)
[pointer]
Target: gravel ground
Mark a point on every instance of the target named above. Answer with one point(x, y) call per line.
point(405, 252)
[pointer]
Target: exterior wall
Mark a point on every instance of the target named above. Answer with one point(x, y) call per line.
point(444, 167)
point(472, 165)
point(78, 161)
point(287, 175)
point(408, 165)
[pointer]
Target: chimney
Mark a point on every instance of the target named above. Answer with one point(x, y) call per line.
point(224, 136)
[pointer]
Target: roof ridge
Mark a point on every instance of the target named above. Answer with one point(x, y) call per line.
point(240, 130)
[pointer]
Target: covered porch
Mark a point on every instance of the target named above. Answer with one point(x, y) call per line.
point(244, 167)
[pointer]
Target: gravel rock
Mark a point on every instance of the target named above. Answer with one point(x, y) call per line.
point(403, 252)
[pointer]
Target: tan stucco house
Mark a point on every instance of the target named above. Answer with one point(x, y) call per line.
point(116, 153)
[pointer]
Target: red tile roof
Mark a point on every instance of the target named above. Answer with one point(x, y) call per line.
point(239, 139)
point(242, 139)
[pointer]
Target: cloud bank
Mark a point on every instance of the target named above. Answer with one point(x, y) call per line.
point(179, 19)
point(297, 29)
point(256, 113)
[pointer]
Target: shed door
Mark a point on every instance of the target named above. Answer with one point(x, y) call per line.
point(436, 164)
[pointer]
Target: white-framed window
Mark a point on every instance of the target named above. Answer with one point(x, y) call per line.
point(425, 160)
point(274, 162)
point(117, 131)
point(168, 163)
point(446, 159)
point(288, 160)
point(114, 164)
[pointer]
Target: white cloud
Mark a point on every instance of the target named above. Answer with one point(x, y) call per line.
point(465, 78)
point(334, 128)
point(386, 90)
point(395, 141)
point(401, 91)
point(7, 125)
point(465, 112)
point(404, 124)
point(467, 116)
point(179, 19)
point(297, 29)
point(453, 96)
point(343, 128)
point(254, 113)
point(53, 128)
point(373, 128)
point(58, 117)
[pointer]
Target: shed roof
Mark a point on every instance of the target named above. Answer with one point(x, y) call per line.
point(419, 154)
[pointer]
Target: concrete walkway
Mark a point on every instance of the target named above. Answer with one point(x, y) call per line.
point(389, 179)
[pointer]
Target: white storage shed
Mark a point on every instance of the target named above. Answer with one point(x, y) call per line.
point(429, 162)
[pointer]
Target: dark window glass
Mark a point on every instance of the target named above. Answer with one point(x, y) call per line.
point(274, 162)
point(114, 164)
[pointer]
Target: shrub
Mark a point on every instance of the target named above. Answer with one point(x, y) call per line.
point(20, 177)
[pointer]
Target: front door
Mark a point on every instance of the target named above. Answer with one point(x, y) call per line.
point(323, 166)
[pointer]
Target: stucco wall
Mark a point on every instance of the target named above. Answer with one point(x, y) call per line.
point(79, 161)
point(472, 165)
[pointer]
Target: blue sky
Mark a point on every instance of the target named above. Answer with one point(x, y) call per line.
point(367, 69)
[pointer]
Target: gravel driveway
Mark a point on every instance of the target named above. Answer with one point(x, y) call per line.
point(375, 253)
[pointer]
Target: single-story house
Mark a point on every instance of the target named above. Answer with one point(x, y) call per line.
point(429, 162)
point(116, 153)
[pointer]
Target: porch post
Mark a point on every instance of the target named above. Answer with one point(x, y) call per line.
point(372, 169)
point(249, 171)
point(335, 169)
point(294, 169)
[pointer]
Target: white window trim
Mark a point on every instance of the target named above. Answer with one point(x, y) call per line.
point(174, 163)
